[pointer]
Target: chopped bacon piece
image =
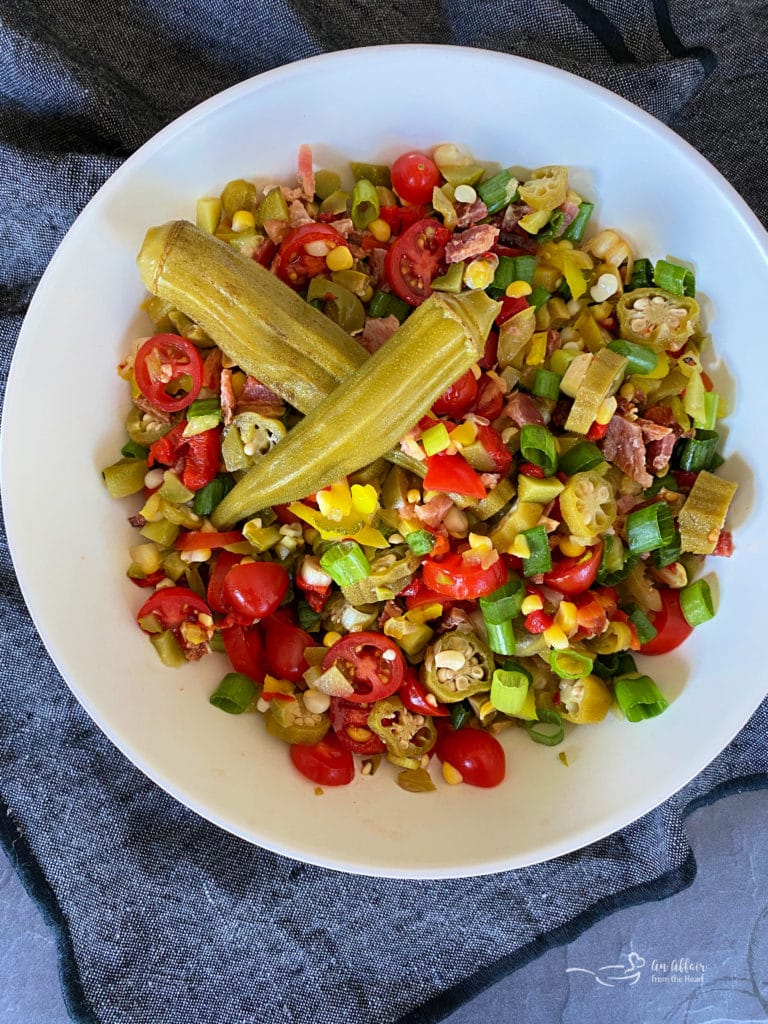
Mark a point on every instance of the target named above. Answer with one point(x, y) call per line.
point(522, 409)
point(257, 397)
point(298, 215)
point(624, 446)
point(376, 258)
point(227, 397)
point(652, 431)
point(724, 544)
point(306, 171)
point(512, 215)
point(276, 230)
point(146, 406)
point(345, 227)
point(212, 369)
point(391, 610)
point(470, 213)
point(472, 242)
point(433, 512)
point(553, 341)
point(659, 452)
point(569, 211)
point(377, 331)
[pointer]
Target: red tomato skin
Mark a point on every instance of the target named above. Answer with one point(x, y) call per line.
point(477, 755)
point(572, 576)
point(491, 351)
point(183, 358)
point(172, 606)
point(245, 651)
point(491, 441)
point(327, 763)
point(670, 623)
point(460, 580)
point(452, 473)
point(400, 218)
point(254, 590)
point(490, 398)
point(284, 646)
point(414, 258)
point(414, 697)
point(195, 539)
point(344, 714)
point(225, 560)
point(458, 398)
point(414, 176)
point(538, 622)
point(509, 308)
point(294, 264)
point(382, 677)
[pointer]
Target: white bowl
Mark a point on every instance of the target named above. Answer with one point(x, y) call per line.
point(69, 546)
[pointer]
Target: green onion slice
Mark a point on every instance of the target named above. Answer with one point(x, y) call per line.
point(697, 452)
point(575, 230)
point(346, 563)
point(581, 457)
point(461, 712)
point(540, 558)
point(538, 297)
point(498, 191)
point(639, 698)
point(513, 268)
point(208, 497)
point(674, 278)
point(570, 664)
point(650, 528)
point(608, 666)
point(234, 693)
point(132, 450)
point(642, 275)
point(385, 303)
point(503, 604)
point(696, 603)
point(546, 384)
point(640, 359)
point(540, 734)
point(537, 445)
point(501, 637)
point(645, 629)
point(667, 554)
point(509, 688)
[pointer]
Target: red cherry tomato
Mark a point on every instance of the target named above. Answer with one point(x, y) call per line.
point(500, 455)
point(414, 176)
point(372, 663)
point(417, 594)
point(401, 217)
point(202, 453)
point(327, 763)
point(458, 398)
point(476, 755)
point(452, 473)
point(253, 590)
point(463, 579)
point(670, 624)
point(413, 260)
point(171, 608)
point(245, 650)
point(169, 372)
point(414, 697)
point(295, 265)
point(490, 398)
point(349, 722)
point(284, 646)
point(225, 560)
point(575, 575)
point(197, 539)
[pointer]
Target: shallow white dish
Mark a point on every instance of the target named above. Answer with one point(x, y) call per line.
point(70, 549)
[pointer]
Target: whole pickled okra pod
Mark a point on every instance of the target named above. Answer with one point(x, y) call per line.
point(256, 320)
point(374, 407)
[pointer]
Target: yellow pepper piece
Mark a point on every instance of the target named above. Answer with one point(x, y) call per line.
point(573, 275)
point(424, 613)
point(538, 351)
point(464, 434)
point(364, 499)
point(335, 502)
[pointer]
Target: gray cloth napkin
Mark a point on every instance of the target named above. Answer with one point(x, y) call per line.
point(161, 917)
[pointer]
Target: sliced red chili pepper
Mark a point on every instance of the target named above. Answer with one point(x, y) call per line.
point(168, 371)
point(490, 398)
point(596, 431)
point(416, 698)
point(194, 540)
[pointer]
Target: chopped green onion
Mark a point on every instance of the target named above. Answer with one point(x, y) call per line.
point(667, 481)
point(460, 713)
point(546, 384)
point(607, 666)
point(698, 451)
point(537, 445)
point(378, 174)
point(504, 603)
point(420, 542)
point(435, 439)
point(570, 664)
point(642, 275)
point(575, 230)
point(203, 414)
point(552, 227)
point(513, 268)
point(234, 693)
point(385, 303)
point(640, 359)
point(132, 450)
point(498, 191)
point(645, 629)
point(650, 527)
point(696, 603)
point(501, 637)
point(639, 698)
point(581, 457)
point(539, 735)
point(674, 278)
point(711, 407)
point(208, 497)
point(365, 203)
point(308, 618)
point(346, 563)
point(540, 558)
point(509, 688)
point(616, 563)
point(667, 554)
point(538, 297)
point(561, 359)
point(216, 643)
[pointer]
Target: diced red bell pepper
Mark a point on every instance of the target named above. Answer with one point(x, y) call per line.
point(498, 452)
point(596, 431)
point(167, 449)
point(537, 622)
point(401, 217)
point(202, 456)
point(452, 473)
point(414, 696)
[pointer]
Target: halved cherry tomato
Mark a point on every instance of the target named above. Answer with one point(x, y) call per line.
point(724, 546)
point(148, 581)
point(254, 590)
point(509, 307)
point(475, 754)
point(414, 175)
point(495, 448)
point(202, 453)
point(349, 722)
point(414, 259)
point(463, 579)
point(452, 473)
point(225, 560)
point(490, 398)
point(172, 606)
point(575, 575)
point(245, 650)
point(414, 696)
point(194, 540)
point(670, 624)
point(327, 763)
point(169, 372)
point(372, 663)
point(401, 217)
point(529, 469)
point(417, 594)
point(284, 646)
point(458, 398)
point(294, 264)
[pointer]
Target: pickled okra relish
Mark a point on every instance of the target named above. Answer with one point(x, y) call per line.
point(426, 455)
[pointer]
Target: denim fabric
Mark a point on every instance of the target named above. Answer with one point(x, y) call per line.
point(161, 916)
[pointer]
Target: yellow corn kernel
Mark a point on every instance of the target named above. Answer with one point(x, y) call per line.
point(518, 289)
point(331, 638)
point(380, 230)
point(424, 613)
point(566, 617)
point(358, 733)
point(532, 603)
point(605, 410)
point(537, 353)
point(479, 542)
point(464, 434)
point(555, 637)
point(339, 258)
point(452, 775)
point(480, 273)
point(414, 495)
point(520, 547)
point(570, 548)
point(243, 220)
